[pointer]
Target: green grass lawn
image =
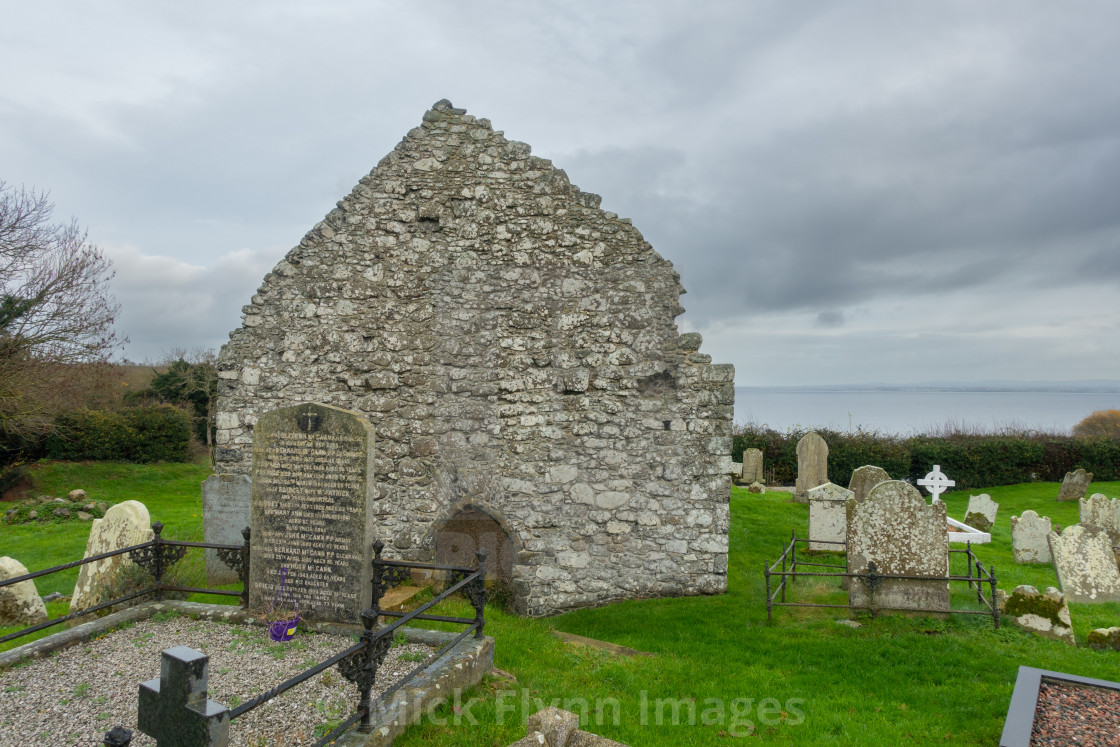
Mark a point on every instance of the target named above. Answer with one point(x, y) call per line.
point(801, 679)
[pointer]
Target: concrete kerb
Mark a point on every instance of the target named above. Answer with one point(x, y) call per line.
point(462, 666)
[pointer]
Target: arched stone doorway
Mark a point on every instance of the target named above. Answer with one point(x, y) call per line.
point(469, 530)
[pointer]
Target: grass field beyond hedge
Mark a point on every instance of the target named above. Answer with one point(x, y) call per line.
point(718, 664)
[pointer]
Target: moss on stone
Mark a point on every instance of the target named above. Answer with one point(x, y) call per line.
point(1022, 604)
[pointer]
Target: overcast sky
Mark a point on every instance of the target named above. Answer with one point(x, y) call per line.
point(852, 192)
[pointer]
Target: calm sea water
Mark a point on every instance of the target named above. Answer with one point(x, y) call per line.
point(908, 412)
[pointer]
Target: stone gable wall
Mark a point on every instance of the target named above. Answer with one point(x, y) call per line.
point(515, 348)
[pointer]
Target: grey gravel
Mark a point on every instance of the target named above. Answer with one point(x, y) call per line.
point(74, 697)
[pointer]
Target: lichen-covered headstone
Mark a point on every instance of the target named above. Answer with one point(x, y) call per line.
point(981, 513)
point(1074, 485)
point(1102, 512)
point(812, 464)
point(752, 466)
point(1085, 564)
point(20, 604)
point(1104, 638)
point(1029, 538)
point(1044, 613)
point(865, 478)
point(736, 472)
point(828, 518)
point(900, 533)
point(312, 493)
point(226, 508)
point(125, 524)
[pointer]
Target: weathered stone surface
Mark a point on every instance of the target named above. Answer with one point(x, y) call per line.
point(981, 513)
point(812, 464)
point(900, 533)
point(496, 324)
point(1085, 564)
point(553, 727)
point(736, 472)
point(20, 604)
point(752, 466)
point(313, 511)
point(1104, 638)
point(1074, 485)
point(1046, 614)
point(127, 523)
point(1029, 538)
point(77, 496)
point(828, 517)
point(865, 478)
point(756, 487)
point(1103, 513)
point(226, 509)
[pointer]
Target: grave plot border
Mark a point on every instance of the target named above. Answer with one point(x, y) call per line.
point(360, 663)
point(789, 563)
point(155, 556)
point(1018, 725)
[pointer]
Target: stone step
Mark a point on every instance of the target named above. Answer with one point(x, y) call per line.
point(397, 598)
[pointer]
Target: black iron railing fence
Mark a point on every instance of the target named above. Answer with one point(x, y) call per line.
point(789, 564)
point(155, 556)
point(361, 662)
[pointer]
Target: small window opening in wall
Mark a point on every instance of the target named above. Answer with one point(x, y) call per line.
point(666, 422)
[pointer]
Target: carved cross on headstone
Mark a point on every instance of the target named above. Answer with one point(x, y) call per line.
point(936, 482)
point(174, 708)
point(309, 422)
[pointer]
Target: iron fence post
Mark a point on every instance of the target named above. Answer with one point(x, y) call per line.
point(782, 583)
point(979, 582)
point(995, 608)
point(477, 593)
point(968, 552)
point(157, 558)
point(377, 581)
point(118, 736)
point(245, 566)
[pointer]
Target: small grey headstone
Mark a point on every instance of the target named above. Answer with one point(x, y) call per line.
point(1102, 512)
point(20, 604)
point(865, 478)
point(1085, 564)
point(312, 488)
point(900, 533)
point(1074, 485)
point(812, 464)
point(1029, 543)
point(828, 518)
point(752, 466)
point(226, 507)
point(981, 513)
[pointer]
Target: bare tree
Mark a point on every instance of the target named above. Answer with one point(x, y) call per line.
point(56, 313)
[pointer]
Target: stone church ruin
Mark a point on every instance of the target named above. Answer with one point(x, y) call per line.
point(514, 349)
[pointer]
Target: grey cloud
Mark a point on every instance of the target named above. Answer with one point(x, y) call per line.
point(830, 319)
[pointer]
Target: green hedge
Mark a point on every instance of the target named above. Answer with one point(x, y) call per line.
point(972, 461)
point(141, 434)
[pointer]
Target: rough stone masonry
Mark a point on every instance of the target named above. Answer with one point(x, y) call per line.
point(515, 349)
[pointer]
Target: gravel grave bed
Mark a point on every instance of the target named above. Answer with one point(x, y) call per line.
point(1068, 713)
point(76, 695)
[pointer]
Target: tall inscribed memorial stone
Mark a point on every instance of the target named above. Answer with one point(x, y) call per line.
point(311, 511)
point(515, 348)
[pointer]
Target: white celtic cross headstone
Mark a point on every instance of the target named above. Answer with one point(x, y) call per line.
point(936, 482)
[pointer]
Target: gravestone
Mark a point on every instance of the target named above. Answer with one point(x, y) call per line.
point(1046, 614)
point(812, 464)
point(1102, 512)
point(20, 604)
point(1085, 564)
point(828, 518)
point(936, 482)
point(1029, 538)
point(981, 513)
point(864, 479)
point(227, 509)
point(125, 524)
point(174, 709)
point(1074, 485)
point(312, 489)
point(897, 531)
point(736, 472)
point(752, 466)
